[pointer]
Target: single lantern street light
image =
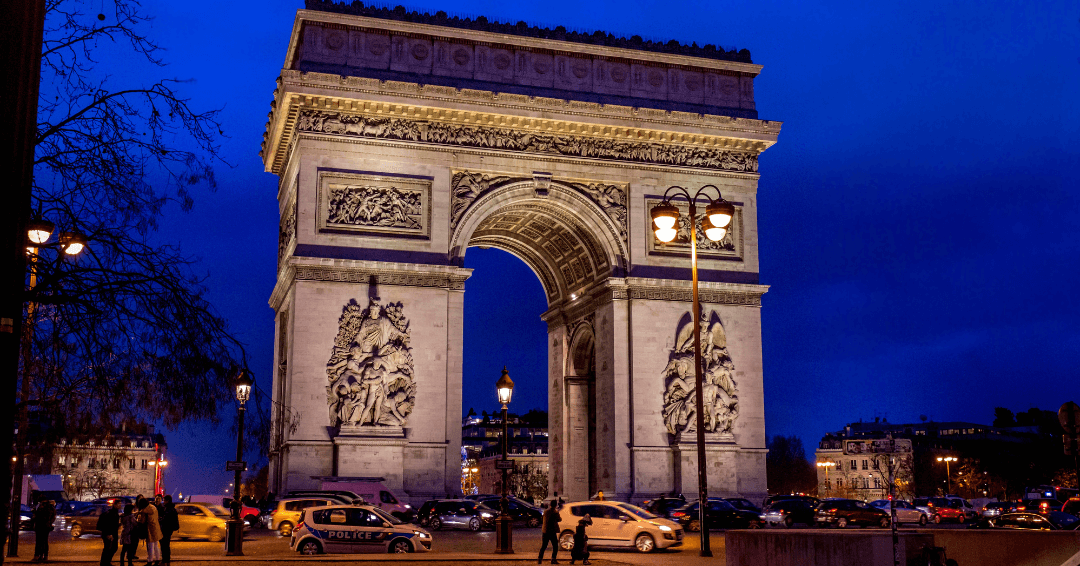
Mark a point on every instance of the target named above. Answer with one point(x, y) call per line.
point(504, 542)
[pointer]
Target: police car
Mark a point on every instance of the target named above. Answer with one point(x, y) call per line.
point(355, 528)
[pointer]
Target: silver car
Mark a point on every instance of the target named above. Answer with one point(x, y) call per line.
point(905, 512)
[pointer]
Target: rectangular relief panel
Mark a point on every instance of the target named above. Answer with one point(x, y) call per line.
point(374, 203)
point(730, 247)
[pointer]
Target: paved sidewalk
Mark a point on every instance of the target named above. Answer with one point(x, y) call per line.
point(427, 560)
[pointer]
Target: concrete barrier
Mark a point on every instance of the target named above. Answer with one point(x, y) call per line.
point(866, 547)
point(969, 547)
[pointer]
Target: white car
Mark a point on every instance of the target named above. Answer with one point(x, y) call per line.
point(335, 529)
point(905, 512)
point(618, 524)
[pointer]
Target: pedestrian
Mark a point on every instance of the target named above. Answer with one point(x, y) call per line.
point(149, 517)
point(108, 525)
point(44, 516)
point(130, 542)
point(170, 523)
point(581, 541)
point(550, 532)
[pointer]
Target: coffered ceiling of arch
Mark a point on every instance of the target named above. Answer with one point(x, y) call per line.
point(564, 254)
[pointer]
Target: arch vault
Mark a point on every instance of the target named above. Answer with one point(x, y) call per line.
point(399, 144)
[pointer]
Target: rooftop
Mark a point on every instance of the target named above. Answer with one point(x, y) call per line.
point(523, 29)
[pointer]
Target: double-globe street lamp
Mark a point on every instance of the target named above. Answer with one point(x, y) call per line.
point(504, 542)
point(947, 459)
point(234, 540)
point(38, 233)
point(665, 217)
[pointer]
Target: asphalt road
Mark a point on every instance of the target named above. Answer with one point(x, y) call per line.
point(451, 545)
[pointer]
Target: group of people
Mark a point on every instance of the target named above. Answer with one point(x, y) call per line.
point(550, 534)
point(153, 521)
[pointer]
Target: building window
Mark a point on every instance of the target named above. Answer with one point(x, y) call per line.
point(116, 464)
point(866, 483)
point(865, 465)
point(877, 483)
point(827, 482)
point(91, 443)
point(144, 464)
point(93, 462)
point(74, 461)
point(60, 461)
point(877, 465)
point(133, 444)
point(854, 465)
point(839, 483)
point(131, 463)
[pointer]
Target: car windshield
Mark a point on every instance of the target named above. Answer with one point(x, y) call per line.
point(386, 516)
point(218, 510)
point(638, 511)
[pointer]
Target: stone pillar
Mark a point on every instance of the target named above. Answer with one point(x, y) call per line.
point(576, 450)
point(557, 429)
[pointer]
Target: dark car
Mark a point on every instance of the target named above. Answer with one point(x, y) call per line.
point(774, 498)
point(744, 504)
point(1039, 505)
point(456, 513)
point(84, 522)
point(26, 518)
point(1048, 521)
point(844, 512)
point(789, 512)
point(663, 506)
point(719, 514)
point(518, 510)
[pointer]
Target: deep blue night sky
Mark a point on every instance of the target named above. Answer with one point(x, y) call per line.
point(919, 216)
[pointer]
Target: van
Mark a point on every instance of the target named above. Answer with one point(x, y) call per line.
point(374, 493)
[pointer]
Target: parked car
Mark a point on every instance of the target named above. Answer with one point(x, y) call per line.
point(353, 529)
point(1048, 521)
point(788, 512)
point(1040, 505)
point(664, 506)
point(618, 524)
point(996, 509)
point(905, 512)
point(374, 492)
point(26, 518)
point(287, 515)
point(923, 504)
point(774, 498)
point(519, 511)
point(342, 496)
point(84, 522)
point(201, 520)
point(744, 504)
point(844, 512)
point(719, 514)
point(951, 509)
point(459, 514)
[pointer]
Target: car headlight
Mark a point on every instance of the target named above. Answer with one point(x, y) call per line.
point(665, 528)
point(486, 515)
point(421, 534)
point(407, 506)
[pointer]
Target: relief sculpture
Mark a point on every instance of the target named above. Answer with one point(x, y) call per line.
point(375, 206)
point(370, 371)
point(431, 131)
point(720, 392)
point(467, 186)
point(611, 198)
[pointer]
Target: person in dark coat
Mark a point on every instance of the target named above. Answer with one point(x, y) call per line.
point(550, 532)
point(108, 525)
point(44, 517)
point(127, 535)
point(170, 523)
point(581, 541)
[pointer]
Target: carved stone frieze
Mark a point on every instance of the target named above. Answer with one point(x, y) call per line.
point(286, 230)
point(397, 278)
point(467, 186)
point(719, 390)
point(686, 295)
point(363, 202)
point(492, 137)
point(610, 198)
point(370, 371)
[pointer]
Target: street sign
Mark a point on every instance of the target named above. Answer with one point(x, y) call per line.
point(233, 466)
point(1069, 417)
point(504, 464)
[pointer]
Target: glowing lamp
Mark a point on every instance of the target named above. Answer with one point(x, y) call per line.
point(505, 387)
point(243, 386)
point(712, 231)
point(39, 231)
point(666, 234)
point(720, 213)
point(664, 216)
point(72, 242)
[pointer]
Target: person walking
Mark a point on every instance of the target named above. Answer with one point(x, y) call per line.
point(44, 516)
point(108, 525)
point(581, 541)
point(170, 523)
point(128, 540)
point(550, 532)
point(153, 532)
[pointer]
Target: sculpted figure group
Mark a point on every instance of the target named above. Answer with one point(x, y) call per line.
point(370, 370)
point(720, 392)
point(374, 206)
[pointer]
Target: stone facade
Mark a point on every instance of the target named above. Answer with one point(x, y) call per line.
point(387, 179)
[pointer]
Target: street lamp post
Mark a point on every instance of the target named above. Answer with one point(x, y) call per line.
point(235, 536)
point(718, 214)
point(826, 465)
point(504, 542)
point(947, 459)
point(38, 232)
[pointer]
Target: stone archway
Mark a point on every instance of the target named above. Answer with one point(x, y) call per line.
point(400, 144)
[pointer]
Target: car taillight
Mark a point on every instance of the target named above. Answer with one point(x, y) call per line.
point(678, 514)
point(273, 512)
point(1044, 505)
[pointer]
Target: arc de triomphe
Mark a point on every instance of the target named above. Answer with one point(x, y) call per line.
point(400, 140)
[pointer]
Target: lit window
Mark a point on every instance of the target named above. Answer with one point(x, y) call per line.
point(865, 465)
point(144, 464)
point(60, 461)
